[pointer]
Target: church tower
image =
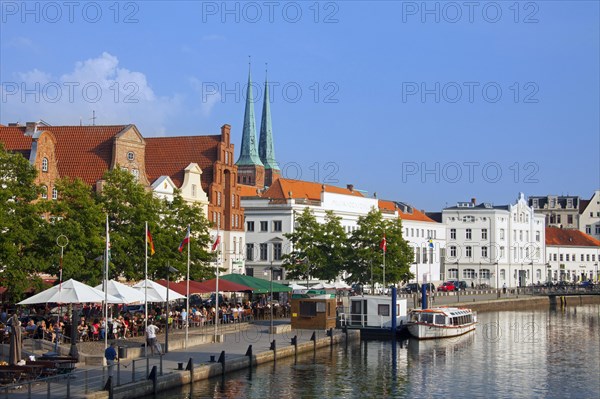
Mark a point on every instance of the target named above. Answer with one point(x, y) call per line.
point(251, 170)
point(266, 148)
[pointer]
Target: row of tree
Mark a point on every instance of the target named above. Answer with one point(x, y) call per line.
point(30, 227)
point(324, 251)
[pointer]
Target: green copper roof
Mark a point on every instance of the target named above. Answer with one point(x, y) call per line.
point(248, 152)
point(266, 148)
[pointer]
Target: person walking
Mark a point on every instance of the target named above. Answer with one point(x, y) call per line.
point(151, 331)
point(111, 356)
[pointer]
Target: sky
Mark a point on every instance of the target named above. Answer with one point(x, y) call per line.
point(428, 103)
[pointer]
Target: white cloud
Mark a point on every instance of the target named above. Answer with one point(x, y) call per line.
point(116, 94)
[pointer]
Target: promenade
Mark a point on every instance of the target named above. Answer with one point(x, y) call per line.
point(130, 375)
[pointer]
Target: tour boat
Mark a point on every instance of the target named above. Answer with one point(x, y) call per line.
point(440, 322)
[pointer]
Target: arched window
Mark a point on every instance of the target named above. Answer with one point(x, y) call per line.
point(44, 164)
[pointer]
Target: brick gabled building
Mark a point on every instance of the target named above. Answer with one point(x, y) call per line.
point(200, 166)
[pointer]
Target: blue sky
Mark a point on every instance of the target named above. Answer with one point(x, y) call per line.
point(427, 103)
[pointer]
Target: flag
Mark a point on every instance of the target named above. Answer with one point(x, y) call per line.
point(383, 244)
point(185, 241)
point(216, 243)
point(430, 241)
point(150, 242)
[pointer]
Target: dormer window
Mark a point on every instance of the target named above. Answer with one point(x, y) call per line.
point(45, 165)
point(130, 156)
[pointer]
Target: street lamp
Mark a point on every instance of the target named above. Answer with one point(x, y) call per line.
point(271, 298)
point(170, 269)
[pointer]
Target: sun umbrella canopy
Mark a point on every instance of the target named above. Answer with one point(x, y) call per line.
point(259, 286)
point(323, 286)
point(295, 286)
point(157, 292)
point(72, 291)
point(124, 292)
point(181, 287)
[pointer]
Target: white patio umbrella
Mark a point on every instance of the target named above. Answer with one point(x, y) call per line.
point(323, 286)
point(156, 292)
point(124, 292)
point(72, 291)
point(295, 287)
point(340, 285)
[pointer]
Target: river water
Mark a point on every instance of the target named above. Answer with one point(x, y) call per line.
point(518, 354)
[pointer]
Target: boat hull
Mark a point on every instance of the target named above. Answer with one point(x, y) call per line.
point(432, 331)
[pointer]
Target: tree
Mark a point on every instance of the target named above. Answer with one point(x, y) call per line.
point(19, 225)
point(77, 216)
point(319, 250)
point(366, 257)
point(177, 215)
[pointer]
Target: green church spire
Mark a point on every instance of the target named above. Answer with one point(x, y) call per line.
point(266, 148)
point(248, 153)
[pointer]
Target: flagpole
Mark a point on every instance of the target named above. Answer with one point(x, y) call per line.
point(187, 289)
point(106, 255)
point(384, 251)
point(217, 288)
point(146, 285)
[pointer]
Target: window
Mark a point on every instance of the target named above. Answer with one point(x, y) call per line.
point(218, 219)
point(44, 192)
point(233, 200)
point(502, 252)
point(250, 252)
point(484, 234)
point(218, 198)
point(469, 273)
point(249, 226)
point(383, 310)
point(468, 234)
point(417, 232)
point(570, 219)
point(417, 257)
point(453, 234)
point(424, 255)
point(484, 252)
point(598, 229)
point(194, 190)
point(588, 229)
point(277, 225)
point(594, 258)
point(537, 236)
point(502, 234)
point(452, 273)
point(130, 156)
point(468, 251)
point(587, 257)
point(582, 257)
point(263, 252)
point(502, 274)
point(561, 257)
point(277, 251)
point(54, 193)
point(485, 273)
point(264, 226)
point(520, 235)
point(538, 274)
point(453, 251)
point(468, 219)
point(308, 309)
point(226, 158)
point(555, 257)
point(45, 165)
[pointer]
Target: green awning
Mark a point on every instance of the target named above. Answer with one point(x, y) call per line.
point(258, 285)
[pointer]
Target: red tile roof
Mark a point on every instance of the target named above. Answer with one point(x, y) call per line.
point(81, 151)
point(14, 140)
point(390, 206)
point(171, 155)
point(567, 237)
point(248, 191)
point(303, 189)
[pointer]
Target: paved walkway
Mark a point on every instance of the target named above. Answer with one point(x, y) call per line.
point(86, 380)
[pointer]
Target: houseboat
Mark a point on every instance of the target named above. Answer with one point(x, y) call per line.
point(372, 315)
point(440, 322)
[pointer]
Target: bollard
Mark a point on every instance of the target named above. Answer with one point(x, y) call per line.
point(118, 372)
point(154, 377)
point(133, 371)
point(180, 366)
point(68, 385)
point(212, 358)
point(249, 354)
point(85, 376)
point(222, 361)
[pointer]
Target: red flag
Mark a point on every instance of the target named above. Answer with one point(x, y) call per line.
point(383, 244)
point(185, 241)
point(216, 243)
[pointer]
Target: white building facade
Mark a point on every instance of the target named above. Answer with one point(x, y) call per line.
point(495, 246)
point(571, 256)
point(589, 217)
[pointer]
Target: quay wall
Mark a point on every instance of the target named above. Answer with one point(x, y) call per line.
point(204, 371)
point(528, 302)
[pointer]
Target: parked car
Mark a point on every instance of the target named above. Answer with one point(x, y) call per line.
point(447, 286)
point(460, 285)
point(411, 288)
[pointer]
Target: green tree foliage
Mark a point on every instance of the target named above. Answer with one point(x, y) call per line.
point(366, 256)
point(319, 250)
point(78, 217)
point(19, 224)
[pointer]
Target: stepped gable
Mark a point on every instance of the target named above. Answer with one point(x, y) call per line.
point(569, 237)
point(171, 155)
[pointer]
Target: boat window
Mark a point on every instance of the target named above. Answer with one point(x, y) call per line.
point(440, 319)
point(383, 310)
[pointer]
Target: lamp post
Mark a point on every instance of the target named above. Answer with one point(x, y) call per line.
point(170, 270)
point(271, 297)
point(596, 271)
point(62, 241)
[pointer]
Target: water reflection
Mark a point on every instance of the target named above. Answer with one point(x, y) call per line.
point(520, 354)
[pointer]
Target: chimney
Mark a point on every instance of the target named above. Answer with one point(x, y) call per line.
point(350, 187)
point(375, 194)
point(474, 201)
point(30, 128)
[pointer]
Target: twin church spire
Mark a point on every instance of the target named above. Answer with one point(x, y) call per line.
point(257, 168)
